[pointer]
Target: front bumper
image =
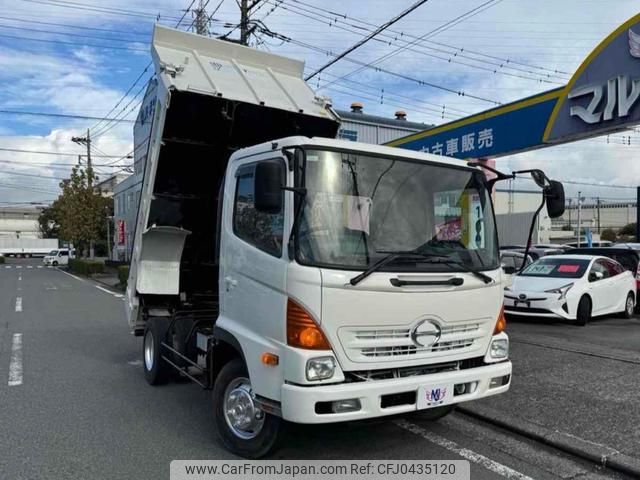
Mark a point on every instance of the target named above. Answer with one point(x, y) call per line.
point(539, 305)
point(299, 403)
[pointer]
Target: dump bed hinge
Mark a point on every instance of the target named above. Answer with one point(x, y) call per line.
point(171, 69)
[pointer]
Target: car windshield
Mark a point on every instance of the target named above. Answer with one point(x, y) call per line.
point(53, 253)
point(358, 208)
point(555, 267)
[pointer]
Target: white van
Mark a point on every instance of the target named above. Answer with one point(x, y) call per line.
point(59, 256)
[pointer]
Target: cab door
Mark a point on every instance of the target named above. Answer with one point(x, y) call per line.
point(253, 268)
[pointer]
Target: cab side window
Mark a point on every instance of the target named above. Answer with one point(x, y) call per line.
point(64, 254)
point(262, 230)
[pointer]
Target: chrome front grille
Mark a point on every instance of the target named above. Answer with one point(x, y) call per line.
point(368, 344)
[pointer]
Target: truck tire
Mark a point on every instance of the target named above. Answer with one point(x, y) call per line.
point(583, 315)
point(242, 427)
point(432, 414)
point(156, 370)
point(55, 263)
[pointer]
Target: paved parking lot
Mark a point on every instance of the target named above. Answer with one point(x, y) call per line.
point(74, 403)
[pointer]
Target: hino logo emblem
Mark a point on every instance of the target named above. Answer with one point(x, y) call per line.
point(426, 333)
point(522, 296)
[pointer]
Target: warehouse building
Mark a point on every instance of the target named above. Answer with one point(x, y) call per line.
point(20, 222)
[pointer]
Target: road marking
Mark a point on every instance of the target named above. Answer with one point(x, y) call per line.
point(8, 266)
point(15, 367)
point(30, 266)
point(465, 453)
point(117, 295)
point(135, 363)
point(70, 274)
point(39, 266)
point(18, 304)
point(19, 266)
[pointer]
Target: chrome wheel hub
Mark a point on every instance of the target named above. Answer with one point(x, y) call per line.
point(148, 351)
point(241, 413)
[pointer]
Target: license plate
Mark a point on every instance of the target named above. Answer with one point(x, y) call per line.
point(434, 395)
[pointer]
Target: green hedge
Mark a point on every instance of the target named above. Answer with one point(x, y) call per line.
point(85, 267)
point(123, 274)
point(2, 260)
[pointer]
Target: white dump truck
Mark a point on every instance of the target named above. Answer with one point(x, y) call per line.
point(299, 277)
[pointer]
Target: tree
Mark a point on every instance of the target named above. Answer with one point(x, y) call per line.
point(608, 234)
point(81, 209)
point(629, 229)
point(49, 222)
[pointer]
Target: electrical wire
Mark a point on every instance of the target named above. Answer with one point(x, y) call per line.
point(41, 152)
point(368, 37)
point(460, 49)
point(62, 115)
point(420, 82)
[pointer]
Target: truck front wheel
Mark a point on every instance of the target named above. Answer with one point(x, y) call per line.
point(243, 428)
point(156, 370)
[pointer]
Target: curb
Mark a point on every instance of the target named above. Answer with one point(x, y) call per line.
point(593, 452)
point(111, 287)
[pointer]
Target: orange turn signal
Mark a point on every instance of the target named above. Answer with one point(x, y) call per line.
point(302, 331)
point(501, 324)
point(270, 359)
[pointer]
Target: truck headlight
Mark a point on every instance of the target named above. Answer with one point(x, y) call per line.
point(320, 368)
point(499, 348)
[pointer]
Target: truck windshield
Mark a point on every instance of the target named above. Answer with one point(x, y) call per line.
point(359, 208)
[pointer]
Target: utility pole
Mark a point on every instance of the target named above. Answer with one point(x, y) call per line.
point(598, 210)
point(579, 212)
point(201, 22)
point(85, 141)
point(244, 22)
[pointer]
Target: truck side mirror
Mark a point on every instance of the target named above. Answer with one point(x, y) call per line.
point(268, 183)
point(554, 193)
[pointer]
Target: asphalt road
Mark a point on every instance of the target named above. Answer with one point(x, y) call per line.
point(74, 403)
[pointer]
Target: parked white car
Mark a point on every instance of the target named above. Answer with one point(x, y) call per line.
point(58, 257)
point(572, 287)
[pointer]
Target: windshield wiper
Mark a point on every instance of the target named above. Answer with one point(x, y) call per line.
point(390, 258)
point(449, 261)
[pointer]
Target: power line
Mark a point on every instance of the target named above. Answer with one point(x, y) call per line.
point(98, 9)
point(78, 35)
point(364, 40)
point(420, 82)
point(75, 44)
point(41, 152)
point(61, 115)
point(470, 13)
point(337, 17)
point(496, 65)
point(106, 30)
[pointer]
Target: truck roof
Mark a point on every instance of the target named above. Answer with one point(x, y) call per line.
point(349, 145)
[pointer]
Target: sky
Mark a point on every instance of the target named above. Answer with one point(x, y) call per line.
point(87, 58)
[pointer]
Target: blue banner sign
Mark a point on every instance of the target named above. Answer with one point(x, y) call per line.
point(602, 96)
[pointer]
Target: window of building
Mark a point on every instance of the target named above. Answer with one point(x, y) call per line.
point(263, 230)
point(345, 134)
